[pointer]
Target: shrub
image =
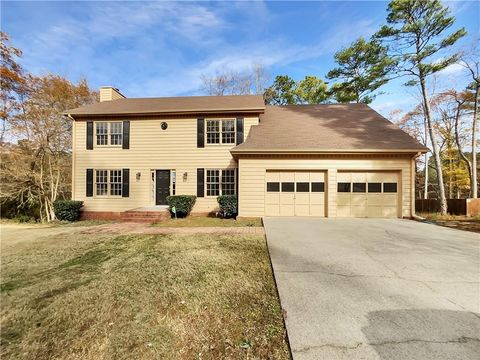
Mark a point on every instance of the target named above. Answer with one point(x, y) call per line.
point(183, 204)
point(23, 218)
point(228, 205)
point(68, 210)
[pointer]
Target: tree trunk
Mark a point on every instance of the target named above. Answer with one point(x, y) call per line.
point(462, 155)
point(425, 190)
point(436, 152)
point(474, 185)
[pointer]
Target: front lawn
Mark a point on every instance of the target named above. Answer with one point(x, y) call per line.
point(199, 221)
point(80, 296)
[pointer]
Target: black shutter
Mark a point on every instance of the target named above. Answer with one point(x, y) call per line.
point(89, 191)
point(126, 135)
point(200, 133)
point(89, 135)
point(125, 182)
point(200, 182)
point(239, 131)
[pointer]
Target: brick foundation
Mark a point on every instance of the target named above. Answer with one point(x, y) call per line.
point(100, 215)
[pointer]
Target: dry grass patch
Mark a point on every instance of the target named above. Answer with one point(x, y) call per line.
point(199, 221)
point(140, 297)
point(459, 222)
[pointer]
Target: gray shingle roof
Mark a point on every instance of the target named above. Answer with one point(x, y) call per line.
point(326, 128)
point(172, 105)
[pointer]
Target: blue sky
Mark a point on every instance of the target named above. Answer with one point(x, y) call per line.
point(163, 48)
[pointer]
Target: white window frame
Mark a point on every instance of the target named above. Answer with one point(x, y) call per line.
point(220, 176)
point(109, 184)
point(221, 132)
point(109, 133)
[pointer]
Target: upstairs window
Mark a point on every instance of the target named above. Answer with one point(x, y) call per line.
point(109, 133)
point(220, 131)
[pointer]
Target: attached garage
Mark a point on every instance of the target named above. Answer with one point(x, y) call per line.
point(326, 161)
point(295, 193)
point(368, 194)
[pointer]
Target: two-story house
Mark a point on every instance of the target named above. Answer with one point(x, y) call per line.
point(296, 160)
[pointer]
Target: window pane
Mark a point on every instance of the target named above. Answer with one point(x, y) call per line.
point(116, 133)
point(287, 186)
point(101, 130)
point(359, 187)
point(374, 187)
point(116, 182)
point(343, 187)
point(228, 182)
point(389, 187)
point(228, 131)
point(213, 182)
point(213, 132)
point(318, 187)
point(101, 181)
point(303, 187)
point(273, 186)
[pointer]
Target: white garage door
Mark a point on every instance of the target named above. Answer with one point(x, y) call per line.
point(368, 194)
point(294, 193)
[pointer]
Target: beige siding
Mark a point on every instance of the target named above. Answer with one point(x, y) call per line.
point(253, 171)
point(151, 148)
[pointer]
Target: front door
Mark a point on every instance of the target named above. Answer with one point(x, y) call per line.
point(162, 186)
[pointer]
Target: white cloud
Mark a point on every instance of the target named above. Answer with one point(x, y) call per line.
point(161, 49)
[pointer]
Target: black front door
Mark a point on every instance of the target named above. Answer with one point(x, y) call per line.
point(162, 186)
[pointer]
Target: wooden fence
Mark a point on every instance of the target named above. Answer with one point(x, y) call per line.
point(468, 207)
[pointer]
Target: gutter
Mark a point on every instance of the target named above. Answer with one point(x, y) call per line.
point(327, 151)
point(174, 113)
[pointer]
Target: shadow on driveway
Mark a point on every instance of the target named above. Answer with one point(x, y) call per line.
point(424, 334)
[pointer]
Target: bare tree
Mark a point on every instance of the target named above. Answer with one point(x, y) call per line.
point(227, 82)
point(470, 60)
point(36, 171)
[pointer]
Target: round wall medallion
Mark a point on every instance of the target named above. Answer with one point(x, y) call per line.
point(164, 126)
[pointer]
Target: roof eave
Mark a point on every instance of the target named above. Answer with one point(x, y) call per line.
point(152, 113)
point(329, 151)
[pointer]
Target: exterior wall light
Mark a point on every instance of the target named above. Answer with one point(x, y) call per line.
point(185, 176)
point(138, 175)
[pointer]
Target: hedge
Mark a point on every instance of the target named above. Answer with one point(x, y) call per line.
point(183, 204)
point(228, 205)
point(67, 210)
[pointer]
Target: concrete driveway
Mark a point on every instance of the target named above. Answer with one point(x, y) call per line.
point(377, 288)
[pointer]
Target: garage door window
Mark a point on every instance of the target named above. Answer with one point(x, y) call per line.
point(287, 187)
point(318, 187)
point(359, 187)
point(389, 187)
point(273, 186)
point(374, 187)
point(303, 187)
point(343, 187)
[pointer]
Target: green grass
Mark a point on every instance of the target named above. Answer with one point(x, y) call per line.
point(199, 221)
point(104, 296)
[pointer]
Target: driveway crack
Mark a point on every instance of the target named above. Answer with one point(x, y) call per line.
point(460, 340)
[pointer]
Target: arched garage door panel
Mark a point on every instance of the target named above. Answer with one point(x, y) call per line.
point(368, 194)
point(295, 193)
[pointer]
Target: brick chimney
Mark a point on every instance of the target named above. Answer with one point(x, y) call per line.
point(108, 93)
